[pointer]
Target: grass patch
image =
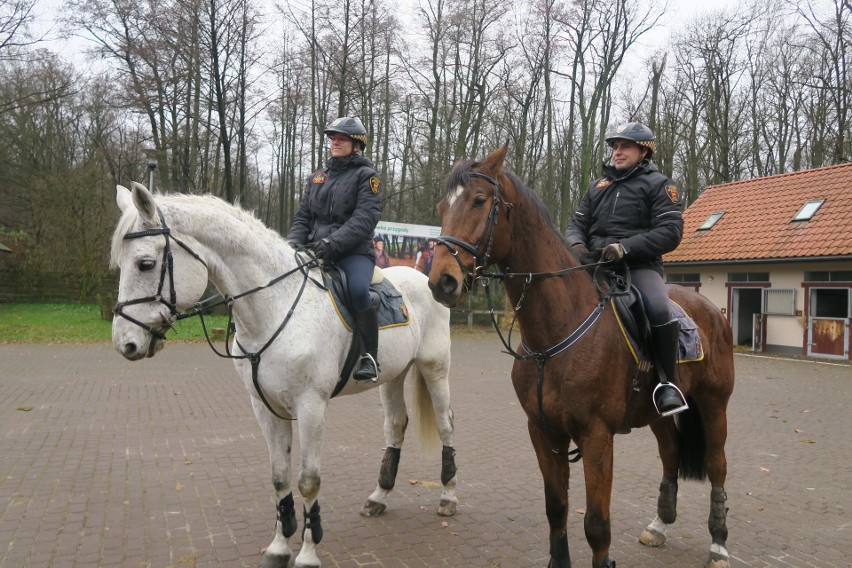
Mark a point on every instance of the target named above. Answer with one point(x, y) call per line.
point(75, 323)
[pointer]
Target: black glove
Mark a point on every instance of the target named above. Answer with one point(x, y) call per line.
point(324, 249)
point(580, 252)
point(612, 252)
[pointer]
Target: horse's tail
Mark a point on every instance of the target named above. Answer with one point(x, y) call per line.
point(427, 429)
point(692, 444)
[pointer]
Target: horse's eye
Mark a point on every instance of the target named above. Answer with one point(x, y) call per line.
point(147, 264)
point(479, 200)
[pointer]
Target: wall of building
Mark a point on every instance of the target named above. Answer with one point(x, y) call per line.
point(786, 334)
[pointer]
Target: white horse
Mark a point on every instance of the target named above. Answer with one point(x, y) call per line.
point(168, 247)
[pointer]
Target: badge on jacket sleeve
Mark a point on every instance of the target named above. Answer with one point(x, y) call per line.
point(672, 192)
point(375, 184)
point(320, 177)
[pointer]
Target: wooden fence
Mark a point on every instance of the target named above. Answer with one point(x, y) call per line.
point(53, 288)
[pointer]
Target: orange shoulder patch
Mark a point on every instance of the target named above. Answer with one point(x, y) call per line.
point(375, 184)
point(319, 177)
point(672, 192)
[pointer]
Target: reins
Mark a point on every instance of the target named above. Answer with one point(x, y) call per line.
point(478, 274)
point(167, 270)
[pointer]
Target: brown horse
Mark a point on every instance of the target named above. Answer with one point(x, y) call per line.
point(574, 376)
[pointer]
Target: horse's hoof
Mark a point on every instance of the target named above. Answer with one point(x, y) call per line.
point(719, 557)
point(650, 537)
point(373, 509)
point(273, 561)
point(447, 507)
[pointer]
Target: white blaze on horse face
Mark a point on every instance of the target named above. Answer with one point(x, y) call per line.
point(451, 198)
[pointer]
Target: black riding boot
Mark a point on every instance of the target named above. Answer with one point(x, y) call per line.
point(368, 364)
point(667, 397)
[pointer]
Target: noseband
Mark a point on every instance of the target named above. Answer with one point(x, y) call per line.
point(166, 270)
point(480, 259)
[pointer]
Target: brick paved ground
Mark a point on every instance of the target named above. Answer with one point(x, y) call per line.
point(160, 463)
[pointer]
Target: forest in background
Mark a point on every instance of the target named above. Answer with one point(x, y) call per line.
point(230, 97)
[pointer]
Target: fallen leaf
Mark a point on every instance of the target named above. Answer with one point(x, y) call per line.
point(445, 524)
point(412, 482)
point(580, 510)
point(808, 441)
point(188, 462)
point(24, 408)
point(179, 486)
point(454, 533)
point(422, 508)
point(799, 431)
point(764, 469)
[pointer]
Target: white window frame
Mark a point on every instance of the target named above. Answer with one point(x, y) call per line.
point(779, 301)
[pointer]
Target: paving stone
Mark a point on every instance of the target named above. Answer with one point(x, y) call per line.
point(160, 463)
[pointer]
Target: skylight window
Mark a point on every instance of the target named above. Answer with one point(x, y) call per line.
point(711, 220)
point(808, 210)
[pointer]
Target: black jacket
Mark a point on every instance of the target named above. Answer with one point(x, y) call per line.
point(342, 202)
point(641, 210)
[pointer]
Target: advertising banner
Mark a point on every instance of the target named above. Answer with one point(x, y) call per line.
point(405, 244)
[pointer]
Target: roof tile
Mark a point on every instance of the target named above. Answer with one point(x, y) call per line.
point(758, 221)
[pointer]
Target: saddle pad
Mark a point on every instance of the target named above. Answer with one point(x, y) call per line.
point(392, 311)
point(689, 341)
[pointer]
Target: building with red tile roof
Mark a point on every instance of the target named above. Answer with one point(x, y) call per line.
point(775, 254)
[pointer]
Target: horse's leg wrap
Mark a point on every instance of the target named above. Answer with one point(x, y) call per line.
point(667, 501)
point(390, 466)
point(718, 514)
point(313, 522)
point(560, 556)
point(287, 515)
point(448, 464)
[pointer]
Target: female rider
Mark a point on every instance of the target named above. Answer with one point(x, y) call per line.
point(337, 216)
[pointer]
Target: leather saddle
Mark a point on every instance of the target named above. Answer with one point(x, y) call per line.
point(629, 306)
point(386, 300)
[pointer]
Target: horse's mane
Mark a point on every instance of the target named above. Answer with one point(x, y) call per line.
point(131, 216)
point(460, 175)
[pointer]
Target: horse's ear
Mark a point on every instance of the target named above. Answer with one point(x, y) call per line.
point(144, 201)
point(123, 198)
point(493, 163)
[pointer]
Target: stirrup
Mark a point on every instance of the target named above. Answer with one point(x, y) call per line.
point(675, 410)
point(375, 366)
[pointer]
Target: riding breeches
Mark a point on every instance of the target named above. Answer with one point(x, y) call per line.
point(654, 293)
point(359, 273)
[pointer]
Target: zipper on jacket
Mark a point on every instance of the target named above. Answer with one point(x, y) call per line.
point(615, 201)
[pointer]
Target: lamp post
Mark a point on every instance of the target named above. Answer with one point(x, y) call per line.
point(152, 165)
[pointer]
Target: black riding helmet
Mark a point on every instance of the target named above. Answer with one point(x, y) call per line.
point(350, 126)
point(635, 132)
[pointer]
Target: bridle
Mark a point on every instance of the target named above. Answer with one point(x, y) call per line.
point(480, 259)
point(303, 265)
point(166, 271)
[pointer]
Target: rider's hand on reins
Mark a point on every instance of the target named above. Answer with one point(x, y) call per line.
point(612, 252)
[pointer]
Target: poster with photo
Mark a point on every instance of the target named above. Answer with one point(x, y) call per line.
point(405, 244)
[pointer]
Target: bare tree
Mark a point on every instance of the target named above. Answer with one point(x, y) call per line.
point(832, 37)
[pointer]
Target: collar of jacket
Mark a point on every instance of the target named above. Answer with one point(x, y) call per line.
point(643, 167)
point(353, 160)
